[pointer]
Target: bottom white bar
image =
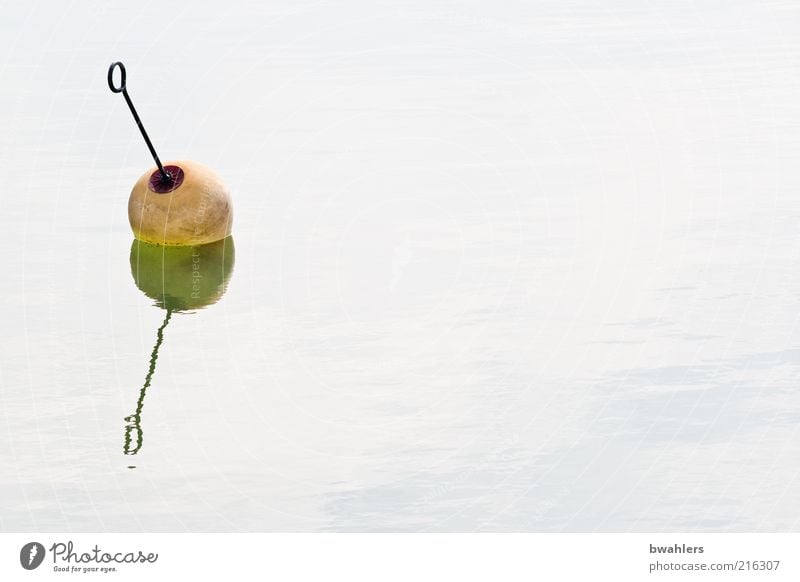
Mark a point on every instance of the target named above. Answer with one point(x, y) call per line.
point(406, 557)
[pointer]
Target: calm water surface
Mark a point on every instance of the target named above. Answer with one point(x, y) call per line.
point(522, 269)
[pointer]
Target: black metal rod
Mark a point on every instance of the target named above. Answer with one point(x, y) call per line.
point(123, 89)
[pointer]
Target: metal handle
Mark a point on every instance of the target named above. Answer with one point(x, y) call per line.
point(165, 175)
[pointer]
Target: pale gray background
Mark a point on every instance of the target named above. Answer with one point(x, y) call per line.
point(500, 266)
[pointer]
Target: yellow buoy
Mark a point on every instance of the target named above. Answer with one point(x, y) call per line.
point(178, 203)
point(192, 208)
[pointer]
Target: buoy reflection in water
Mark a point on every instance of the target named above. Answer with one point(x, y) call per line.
point(177, 279)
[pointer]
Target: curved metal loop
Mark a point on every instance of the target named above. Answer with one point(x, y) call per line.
point(111, 86)
point(166, 177)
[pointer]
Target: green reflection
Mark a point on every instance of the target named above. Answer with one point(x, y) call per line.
point(177, 279)
point(135, 420)
point(183, 278)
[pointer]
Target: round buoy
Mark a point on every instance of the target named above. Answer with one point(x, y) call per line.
point(178, 203)
point(192, 207)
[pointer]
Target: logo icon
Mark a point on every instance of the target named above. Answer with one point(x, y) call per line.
point(31, 555)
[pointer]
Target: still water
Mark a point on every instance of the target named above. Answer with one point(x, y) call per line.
point(529, 269)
